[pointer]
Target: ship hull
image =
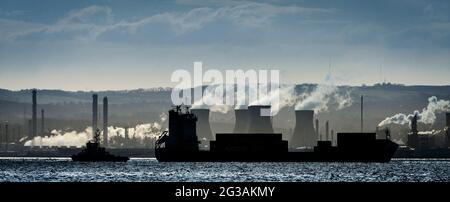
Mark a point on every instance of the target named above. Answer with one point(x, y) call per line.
point(380, 153)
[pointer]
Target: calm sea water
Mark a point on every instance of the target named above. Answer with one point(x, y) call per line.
point(149, 170)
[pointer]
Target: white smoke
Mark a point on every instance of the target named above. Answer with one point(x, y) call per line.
point(213, 100)
point(285, 94)
point(431, 132)
point(323, 96)
point(61, 138)
point(427, 116)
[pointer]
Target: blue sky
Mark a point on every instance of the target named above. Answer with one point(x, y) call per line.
point(97, 45)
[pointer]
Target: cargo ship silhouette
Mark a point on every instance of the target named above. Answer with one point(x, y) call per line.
point(180, 144)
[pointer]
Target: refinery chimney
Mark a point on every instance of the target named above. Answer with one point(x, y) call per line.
point(42, 122)
point(241, 123)
point(362, 113)
point(94, 113)
point(327, 130)
point(304, 134)
point(258, 123)
point(447, 119)
point(1, 134)
point(30, 128)
point(34, 118)
point(6, 136)
point(332, 136)
point(126, 133)
point(317, 127)
point(203, 126)
point(105, 121)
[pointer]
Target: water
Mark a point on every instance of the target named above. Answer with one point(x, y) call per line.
point(149, 170)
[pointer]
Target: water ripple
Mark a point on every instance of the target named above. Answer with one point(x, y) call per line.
point(149, 170)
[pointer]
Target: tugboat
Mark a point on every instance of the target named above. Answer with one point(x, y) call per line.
point(93, 152)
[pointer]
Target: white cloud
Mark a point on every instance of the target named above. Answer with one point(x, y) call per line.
point(93, 21)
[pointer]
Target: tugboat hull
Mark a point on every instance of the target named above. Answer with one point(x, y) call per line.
point(95, 153)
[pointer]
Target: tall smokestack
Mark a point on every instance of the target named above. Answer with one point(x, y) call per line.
point(362, 110)
point(42, 122)
point(203, 126)
point(317, 127)
point(30, 128)
point(126, 133)
point(19, 132)
point(304, 134)
point(241, 123)
point(447, 137)
point(105, 121)
point(1, 134)
point(6, 136)
point(34, 118)
point(447, 119)
point(94, 113)
point(327, 128)
point(332, 136)
point(258, 123)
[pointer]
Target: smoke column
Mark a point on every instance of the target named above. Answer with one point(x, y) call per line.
point(61, 138)
point(285, 94)
point(322, 96)
point(427, 116)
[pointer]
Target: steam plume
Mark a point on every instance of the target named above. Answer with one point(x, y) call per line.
point(427, 116)
point(73, 138)
point(324, 95)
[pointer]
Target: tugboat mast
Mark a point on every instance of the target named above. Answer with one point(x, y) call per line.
point(97, 136)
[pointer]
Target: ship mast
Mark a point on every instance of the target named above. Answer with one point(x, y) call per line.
point(97, 136)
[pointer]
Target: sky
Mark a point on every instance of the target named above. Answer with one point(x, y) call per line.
point(112, 45)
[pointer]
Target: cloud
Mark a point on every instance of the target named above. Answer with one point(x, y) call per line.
point(12, 29)
point(11, 13)
point(210, 2)
point(93, 21)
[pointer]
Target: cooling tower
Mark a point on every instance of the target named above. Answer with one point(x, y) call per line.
point(203, 126)
point(94, 113)
point(241, 123)
point(34, 118)
point(105, 121)
point(304, 134)
point(258, 123)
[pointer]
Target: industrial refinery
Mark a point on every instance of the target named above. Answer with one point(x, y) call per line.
point(308, 131)
point(13, 142)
